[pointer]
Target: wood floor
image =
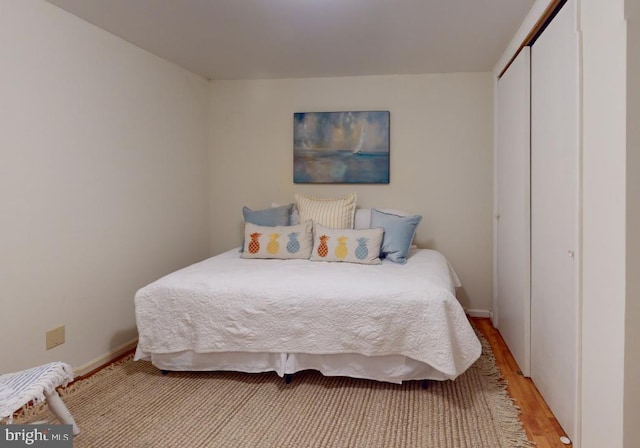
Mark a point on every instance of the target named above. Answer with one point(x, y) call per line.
point(539, 422)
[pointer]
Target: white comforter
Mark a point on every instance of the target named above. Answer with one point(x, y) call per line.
point(230, 304)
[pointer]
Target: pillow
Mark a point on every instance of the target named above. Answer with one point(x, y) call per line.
point(274, 216)
point(348, 245)
point(398, 234)
point(363, 216)
point(330, 212)
point(281, 242)
point(294, 216)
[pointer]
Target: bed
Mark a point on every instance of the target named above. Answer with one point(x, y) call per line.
point(388, 322)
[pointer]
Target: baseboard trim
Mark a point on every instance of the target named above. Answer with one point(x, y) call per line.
point(479, 313)
point(105, 359)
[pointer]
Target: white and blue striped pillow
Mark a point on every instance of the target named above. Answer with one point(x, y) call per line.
point(337, 213)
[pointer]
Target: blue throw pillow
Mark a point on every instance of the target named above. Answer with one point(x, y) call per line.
point(398, 234)
point(271, 217)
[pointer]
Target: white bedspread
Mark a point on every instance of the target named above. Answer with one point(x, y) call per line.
point(230, 304)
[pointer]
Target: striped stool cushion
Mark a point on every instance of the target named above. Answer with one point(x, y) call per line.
point(18, 389)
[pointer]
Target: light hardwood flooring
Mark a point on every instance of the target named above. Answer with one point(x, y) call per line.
point(539, 422)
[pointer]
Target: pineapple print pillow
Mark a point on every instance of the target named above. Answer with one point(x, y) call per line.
point(277, 242)
point(348, 245)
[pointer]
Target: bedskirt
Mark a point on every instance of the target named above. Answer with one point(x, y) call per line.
point(388, 368)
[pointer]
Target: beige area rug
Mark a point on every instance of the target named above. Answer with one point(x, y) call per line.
point(131, 404)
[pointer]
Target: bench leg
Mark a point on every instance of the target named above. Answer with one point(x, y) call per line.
point(59, 409)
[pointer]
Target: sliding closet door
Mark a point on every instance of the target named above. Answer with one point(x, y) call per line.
point(513, 208)
point(554, 216)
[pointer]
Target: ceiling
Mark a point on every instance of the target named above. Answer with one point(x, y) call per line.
point(254, 39)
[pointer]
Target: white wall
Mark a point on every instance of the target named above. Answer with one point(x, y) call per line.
point(441, 158)
point(604, 233)
point(103, 181)
point(632, 316)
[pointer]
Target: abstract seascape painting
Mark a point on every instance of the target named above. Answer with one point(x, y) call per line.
point(341, 147)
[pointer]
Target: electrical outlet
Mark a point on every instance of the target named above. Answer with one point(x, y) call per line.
point(55, 337)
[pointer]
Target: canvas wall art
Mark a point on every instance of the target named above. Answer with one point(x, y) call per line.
point(341, 147)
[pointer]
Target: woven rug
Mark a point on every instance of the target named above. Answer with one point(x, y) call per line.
point(131, 404)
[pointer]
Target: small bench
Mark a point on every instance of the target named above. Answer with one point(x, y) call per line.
point(35, 385)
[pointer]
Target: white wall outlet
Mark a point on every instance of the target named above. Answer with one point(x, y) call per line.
point(55, 337)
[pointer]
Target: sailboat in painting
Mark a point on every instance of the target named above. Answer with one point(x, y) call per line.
point(358, 147)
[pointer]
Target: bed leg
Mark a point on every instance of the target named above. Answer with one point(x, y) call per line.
point(288, 378)
point(164, 372)
point(425, 384)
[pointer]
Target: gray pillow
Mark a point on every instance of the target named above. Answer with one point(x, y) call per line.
point(271, 217)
